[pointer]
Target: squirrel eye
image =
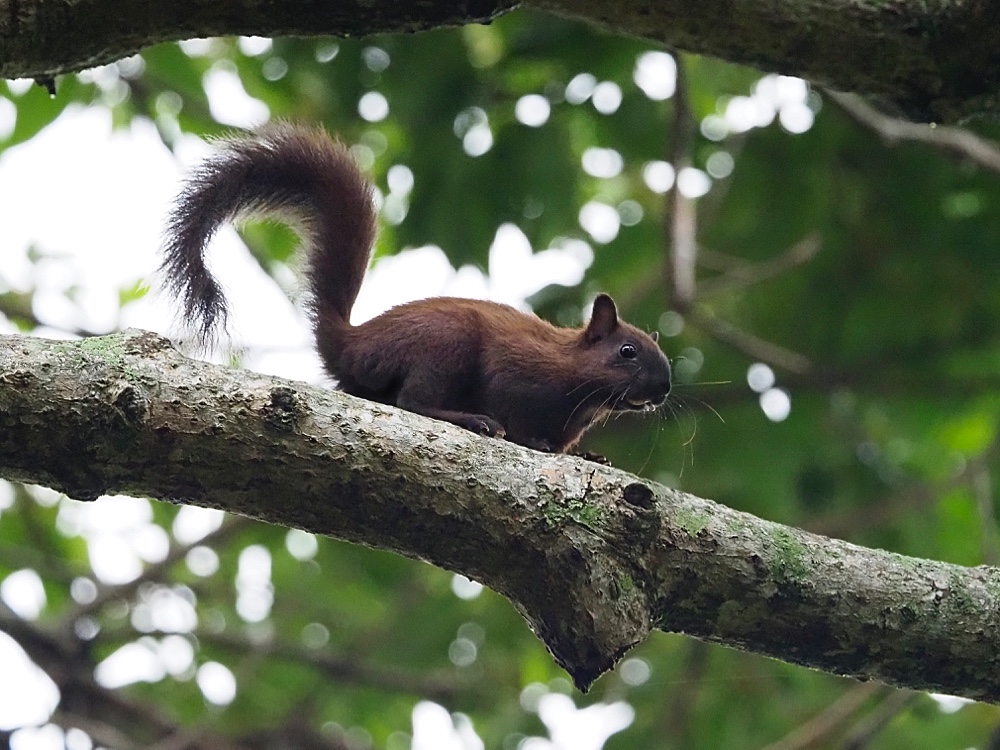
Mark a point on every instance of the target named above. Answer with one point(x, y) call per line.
point(628, 351)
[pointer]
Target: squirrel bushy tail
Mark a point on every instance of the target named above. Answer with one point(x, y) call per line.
point(297, 175)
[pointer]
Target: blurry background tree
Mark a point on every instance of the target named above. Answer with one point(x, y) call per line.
point(830, 297)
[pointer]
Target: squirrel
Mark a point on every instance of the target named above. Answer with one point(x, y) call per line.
point(481, 365)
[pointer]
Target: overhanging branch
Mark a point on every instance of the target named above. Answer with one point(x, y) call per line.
point(41, 39)
point(593, 557)
point(935, 60)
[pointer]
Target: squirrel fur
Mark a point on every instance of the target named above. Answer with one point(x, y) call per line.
point(481, 365)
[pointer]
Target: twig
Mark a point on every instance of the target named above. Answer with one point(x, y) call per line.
point(100, 732)
point(982, 487)
point(681, 216)
point(957, 142)
point(16, 307)
point(825, 723)
point(842, 525)
point(908, 500)
point(753, 346)
point(439, 687)
point(868, 728)
point(741, 275)
point(156, 571)
point(677, 718)
point(62, 659)
point(993, 742)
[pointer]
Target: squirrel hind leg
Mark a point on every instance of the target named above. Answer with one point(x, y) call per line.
point(416, 400)
point(478, 423)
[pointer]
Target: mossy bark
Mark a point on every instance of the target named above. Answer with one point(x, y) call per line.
point(593, 557)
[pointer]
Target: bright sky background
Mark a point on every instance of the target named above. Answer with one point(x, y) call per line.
point(92, 202)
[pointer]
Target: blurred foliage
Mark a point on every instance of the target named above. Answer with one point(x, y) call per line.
point(890, 441)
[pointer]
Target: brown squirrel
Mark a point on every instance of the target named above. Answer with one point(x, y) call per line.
point(481, 365)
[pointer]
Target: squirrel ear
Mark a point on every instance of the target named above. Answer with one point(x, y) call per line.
point(603, 320)
point(655, 335)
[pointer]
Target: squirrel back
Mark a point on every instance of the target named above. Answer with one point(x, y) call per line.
point(481, 365)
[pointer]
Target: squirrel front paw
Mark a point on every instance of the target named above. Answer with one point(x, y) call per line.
point(483, 425)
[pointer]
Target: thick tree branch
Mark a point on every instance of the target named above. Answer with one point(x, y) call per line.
point(41, 39)
point(935, 60)
point(930, 58)
point(594, 558)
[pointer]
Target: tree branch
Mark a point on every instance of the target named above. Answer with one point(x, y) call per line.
point(935, 60)
point(593, 557)
point(903, 50)
point(751, 345)
point(681, 212)
point(862, 734)
point(956, 142)
point(84, 703)
point(154, 572)
point(740, 274)
point(443, 687)
point(40, 39)
point(818, 729)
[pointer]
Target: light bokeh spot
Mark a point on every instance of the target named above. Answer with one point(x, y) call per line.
point(600, 221)
point(776, 404)
point(532, 110)
point(760, 377)
point(659, 176)
point(373, 106)
point(607, 97)
point(656, 74)
point(24, 593)
point(217, 683)
point(465, 588)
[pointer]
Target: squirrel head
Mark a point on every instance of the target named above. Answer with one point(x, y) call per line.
point(633, 364)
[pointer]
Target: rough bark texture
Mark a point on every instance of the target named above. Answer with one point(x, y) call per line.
point(41, 39)
point(935, 60)
point(593, 557)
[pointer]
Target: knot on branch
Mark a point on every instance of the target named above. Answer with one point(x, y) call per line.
point(283, 411)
